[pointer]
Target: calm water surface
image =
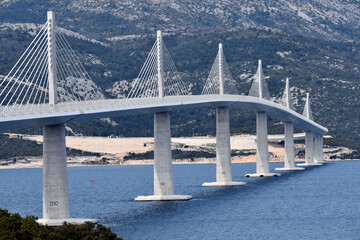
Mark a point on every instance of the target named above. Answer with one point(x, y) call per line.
point(319, 203)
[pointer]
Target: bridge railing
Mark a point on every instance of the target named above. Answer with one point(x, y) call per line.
point(76, 106)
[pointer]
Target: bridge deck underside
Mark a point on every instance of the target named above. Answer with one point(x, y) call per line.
point(90, 110)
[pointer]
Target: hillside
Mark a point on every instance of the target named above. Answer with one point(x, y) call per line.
point(328, 70)
point(112, 20)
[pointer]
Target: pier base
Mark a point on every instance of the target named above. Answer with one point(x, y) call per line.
point(163, 198)
point(308, 164)
point(259, 175)
point(59, 222)
point(223, 184)
point(290, 169)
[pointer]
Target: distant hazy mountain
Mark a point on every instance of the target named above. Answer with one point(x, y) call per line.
point(333, 19)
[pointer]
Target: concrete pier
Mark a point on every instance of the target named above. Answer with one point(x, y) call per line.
point(262, 152)
point(223, 151)
point(55, 179)
point(319, 153)
point(163, 173)
point(289, 161)
point(309, 150)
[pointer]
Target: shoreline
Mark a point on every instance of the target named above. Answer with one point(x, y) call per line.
point(113, 151)
point(149, 162)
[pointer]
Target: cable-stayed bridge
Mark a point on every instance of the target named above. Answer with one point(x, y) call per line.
point(48, 86)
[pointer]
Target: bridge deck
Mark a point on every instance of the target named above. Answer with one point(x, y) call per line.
point(38, 115)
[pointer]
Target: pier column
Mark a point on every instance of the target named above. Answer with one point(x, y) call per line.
point(163, 172)
point(262, 154)
point(309, 150)
point(289, 161)
point(55, 179)
point(319, 153)
point(223, 151)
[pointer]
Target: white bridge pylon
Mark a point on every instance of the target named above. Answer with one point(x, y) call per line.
point(221, 82)
point(158, 77)
point(49, 86)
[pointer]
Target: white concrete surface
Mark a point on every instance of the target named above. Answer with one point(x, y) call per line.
point(163, 172)
point(160, 73)
point(59, 222)
point(263, 175)
point(223, 184)
point(289, 161)
point(44, 114)
point(309, 148)
point(221, 70)
point(319, 152)
point(262, 152)
point(289, 169)
point(163, 198)
point(51, 51)
point(308, 164)
point(55, 179)
point(223, 151)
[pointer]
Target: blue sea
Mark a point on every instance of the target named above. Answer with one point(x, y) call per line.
point(318, 203)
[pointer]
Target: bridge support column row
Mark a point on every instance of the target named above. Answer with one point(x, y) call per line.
point(223, 151)
point(262, 152)
point(289, 161)
point(163, 172)
point(309, 150)
point(55, 179)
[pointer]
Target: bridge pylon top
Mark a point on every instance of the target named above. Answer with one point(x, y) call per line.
point(286, 98)
point(259, 87)
point(220, 80)
point(158, 77)
point(307, 109)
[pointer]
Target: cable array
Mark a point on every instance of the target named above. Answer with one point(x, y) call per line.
point(74, 83)
point(307, 108)
point(146, 84)
point(286, 99)
point(27, 82)
point(259, 83)
point(212, 85)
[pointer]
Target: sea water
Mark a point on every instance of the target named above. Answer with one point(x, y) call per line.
point(319, 203)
